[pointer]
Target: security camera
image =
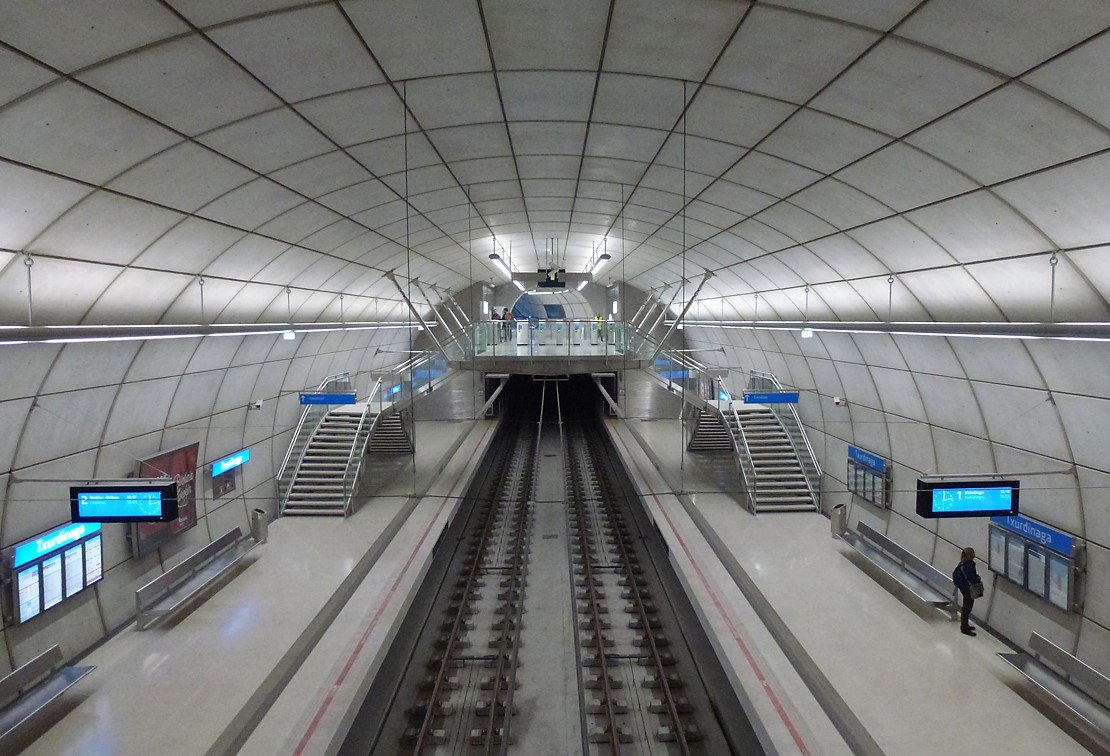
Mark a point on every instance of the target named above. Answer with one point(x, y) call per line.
point(256, 404)
point(839, 401)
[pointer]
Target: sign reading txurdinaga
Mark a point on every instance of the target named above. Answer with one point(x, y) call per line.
point(53, 566)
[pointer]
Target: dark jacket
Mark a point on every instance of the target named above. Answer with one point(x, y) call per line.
point(964, 575)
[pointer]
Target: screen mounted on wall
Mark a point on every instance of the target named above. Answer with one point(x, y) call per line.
point(154, 501)
point(967, 498)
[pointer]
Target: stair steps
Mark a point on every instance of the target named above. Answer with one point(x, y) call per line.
point(780, 483)
point(317, 488)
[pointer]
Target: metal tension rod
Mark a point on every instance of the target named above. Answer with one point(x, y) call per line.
point(689, 302)
point(412, 309)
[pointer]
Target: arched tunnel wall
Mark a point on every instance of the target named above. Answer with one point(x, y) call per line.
point(938, 405)
point(92, 410)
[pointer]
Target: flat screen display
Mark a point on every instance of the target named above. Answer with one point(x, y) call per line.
point(75, 570)
point(28, 588)
point(51, 582)
point(986, 498)
point(126, 503)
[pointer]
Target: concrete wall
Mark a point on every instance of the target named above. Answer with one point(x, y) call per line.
point(961, 405)
point(80, 411)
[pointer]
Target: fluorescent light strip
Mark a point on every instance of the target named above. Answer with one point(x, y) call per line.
point(981, 330)
point(12, 335)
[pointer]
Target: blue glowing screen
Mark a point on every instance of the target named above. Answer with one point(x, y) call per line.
point(120, 504)
point(977, 499)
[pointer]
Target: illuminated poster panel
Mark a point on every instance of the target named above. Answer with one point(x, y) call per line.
point(27, 589)
point(181, 465)
point(51, 582)
point(1035, 567)
point(94, 565)
point(75, 570)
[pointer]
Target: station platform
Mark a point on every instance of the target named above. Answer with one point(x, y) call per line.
point(907, 677)
point(200, 685)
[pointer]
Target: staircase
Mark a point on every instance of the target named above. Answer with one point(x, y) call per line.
point(780, 484)
point(391, 436)
point(710, 433)
point(318, 484)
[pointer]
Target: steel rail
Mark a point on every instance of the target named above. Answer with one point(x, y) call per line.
point(633, 583)
point(585, 541)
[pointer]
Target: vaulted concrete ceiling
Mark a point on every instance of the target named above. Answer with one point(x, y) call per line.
point(953, 147)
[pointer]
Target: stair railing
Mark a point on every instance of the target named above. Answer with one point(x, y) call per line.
point(367, 422)
point(740, 444)
point(311, 417)
point(787, 414)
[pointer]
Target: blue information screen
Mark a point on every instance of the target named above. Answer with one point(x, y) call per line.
point(120, 504)
point(972, 499)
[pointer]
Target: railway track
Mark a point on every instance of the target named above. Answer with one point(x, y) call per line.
point(553, 625)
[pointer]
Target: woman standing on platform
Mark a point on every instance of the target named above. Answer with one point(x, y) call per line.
point(970, 584)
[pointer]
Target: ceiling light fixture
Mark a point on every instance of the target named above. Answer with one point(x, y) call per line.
point(581, 285)
point(1092, 331)
point(501, 266)
point(601, 260)
point(288, 335)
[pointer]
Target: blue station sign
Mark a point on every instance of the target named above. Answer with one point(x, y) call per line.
point(52, 541)
point(1034, 531)
point(771, 397)
point(866, 458)
point(343, 397)
point(230, 462)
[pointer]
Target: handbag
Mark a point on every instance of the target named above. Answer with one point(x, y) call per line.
point(975, 590)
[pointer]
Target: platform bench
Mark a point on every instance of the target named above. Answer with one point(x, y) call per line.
point(28, 692)
point(920, 578)
point(1079, 688)
point(181, 585)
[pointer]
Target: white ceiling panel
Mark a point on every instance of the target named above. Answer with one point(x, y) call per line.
point(1010, 132)
point(1022, 289)
point(1079, 79)
point(71, 34)
point(268, 141)
point(789, 56)
point(549, 167)
point(300, 54)
point(734, 117)
point(30, 201)
point(454, 100)
point(468, 142)
point(565, 34)
point(357, 116)
point(978, 227)
point(901, 86)
point(904, 177)
point(186, 176)
point(20, 76)
point(840, 205)
point(821, 142)
point(877, 14)
point(1071, 203)
point(547, 137)
point(771, 175)
point(322, 174)
point(1007, 35)
point(92, 227)
point(387, 156)
point(624, 142)
point(303, 220)
point(162, 81)
point(118, 303)
point(900, 245)
point(416, 38)
point(621, 98)
point(249, 206)
point(189, 246)
point(208, 12)
point(547, 96)
point(246, 257)
point(69, 130)
point(664, 38)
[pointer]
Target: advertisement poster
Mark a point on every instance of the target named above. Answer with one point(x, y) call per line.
point(181, 465)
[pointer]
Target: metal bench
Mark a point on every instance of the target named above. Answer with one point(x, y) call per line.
point(1080, 689)
point(920, 578)
point(181, 585)
point(26, 695)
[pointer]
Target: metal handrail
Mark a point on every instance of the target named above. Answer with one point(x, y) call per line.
point(350, 479)
point(812, 482)
point(744, 455)
point(297, 433)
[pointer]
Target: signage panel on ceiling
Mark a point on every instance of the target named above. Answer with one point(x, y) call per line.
point(345, 397)
point(1042, 534)
point(230, 462)
point(771, 397)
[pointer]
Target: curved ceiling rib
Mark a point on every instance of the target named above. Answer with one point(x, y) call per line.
point(146, 143)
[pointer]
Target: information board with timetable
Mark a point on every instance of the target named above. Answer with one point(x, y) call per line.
point(52, 567)
point(1042, 560)
point(869, 476)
